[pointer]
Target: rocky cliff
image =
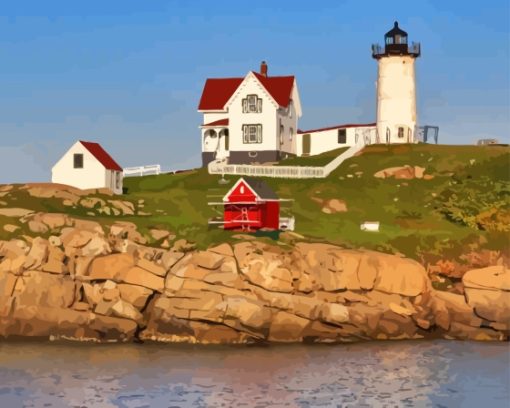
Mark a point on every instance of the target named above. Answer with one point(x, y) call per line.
point(83, 284)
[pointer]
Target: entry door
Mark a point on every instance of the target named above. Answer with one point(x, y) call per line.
point(307, 144)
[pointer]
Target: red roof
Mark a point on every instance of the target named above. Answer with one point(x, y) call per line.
point(280, 88)
point(217, 91)
point(348, 125)
point(101, 155)
point(221, 122)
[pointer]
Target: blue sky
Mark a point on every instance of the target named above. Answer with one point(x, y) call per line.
point(129, 74)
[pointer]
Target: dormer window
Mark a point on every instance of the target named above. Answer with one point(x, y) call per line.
point(252, 104)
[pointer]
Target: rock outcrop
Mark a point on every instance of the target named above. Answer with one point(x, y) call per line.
point(84, 284)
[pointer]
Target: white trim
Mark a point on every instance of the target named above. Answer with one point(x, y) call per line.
point(250, 75)
point(225, 197)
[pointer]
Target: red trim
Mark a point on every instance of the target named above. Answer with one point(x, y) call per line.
point(348, 125)
point(221, 122)
point(101, 155)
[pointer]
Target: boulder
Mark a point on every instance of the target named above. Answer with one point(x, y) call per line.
point(37, 255)
point(400, 275)
point(15, 212)
point(10, 228)
point(333, 313)
point(250, 313)
point(487, 291)
point(265, 269)
point(121, 308)
point(287, 328)
point(136, 295)
point(36, 288)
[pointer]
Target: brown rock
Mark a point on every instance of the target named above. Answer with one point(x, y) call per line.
point(287, 328)
point(249, 313)
point(15, 212)
point(151, 267)
point(400, 275)
point(222, 249)
point(37, 255)
point(159, 234)
point(492, 277)
point(110, 266)
point(37, 227)
point(10, 228)
point(36, 288)
point(121, 308)
point(136, 295)
point(7, 284)
point(333, 313)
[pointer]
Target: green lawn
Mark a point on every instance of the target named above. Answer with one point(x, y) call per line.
point(317, 160)
point(419, 218)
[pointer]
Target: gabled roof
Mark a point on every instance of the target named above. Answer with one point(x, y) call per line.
point(220, 122)
point(345, 126)
point(101, 155)
point(260, 188)
point(218, 91)
point(280, 88)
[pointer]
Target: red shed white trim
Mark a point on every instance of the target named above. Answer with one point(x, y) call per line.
point(250, 205)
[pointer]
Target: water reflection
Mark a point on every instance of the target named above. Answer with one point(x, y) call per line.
point(362, 375)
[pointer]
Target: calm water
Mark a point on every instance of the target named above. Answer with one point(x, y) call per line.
point(387, 374)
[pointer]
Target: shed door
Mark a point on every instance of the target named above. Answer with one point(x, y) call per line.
point(307, 144)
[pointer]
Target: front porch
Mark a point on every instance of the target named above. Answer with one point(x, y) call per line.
point(215, 141)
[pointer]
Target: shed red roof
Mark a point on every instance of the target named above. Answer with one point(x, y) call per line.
point(221, 122)
point(101, 155)
point(217, 91)
point(348, 125)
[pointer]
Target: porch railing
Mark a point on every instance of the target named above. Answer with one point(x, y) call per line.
point(296, 172)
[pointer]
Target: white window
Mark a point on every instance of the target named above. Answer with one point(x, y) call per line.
point(291, 134)
point(242, 189)
point(252, 133)
point(290, 109)
point(252, 104)
point(282, 131)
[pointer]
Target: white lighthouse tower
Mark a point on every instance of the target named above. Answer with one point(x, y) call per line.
point(396, 87)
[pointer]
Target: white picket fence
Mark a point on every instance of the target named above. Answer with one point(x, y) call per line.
point(297, 172)
point(142, 170)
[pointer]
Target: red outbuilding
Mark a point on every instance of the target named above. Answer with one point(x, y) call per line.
point(251, 204)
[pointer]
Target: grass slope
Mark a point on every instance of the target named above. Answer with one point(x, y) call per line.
point(465, 206)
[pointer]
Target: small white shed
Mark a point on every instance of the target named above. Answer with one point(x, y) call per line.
point(87, 165)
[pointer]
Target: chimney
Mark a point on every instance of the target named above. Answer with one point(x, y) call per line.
point(263, 68)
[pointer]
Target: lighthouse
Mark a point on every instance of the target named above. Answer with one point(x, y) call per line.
point(396, 87)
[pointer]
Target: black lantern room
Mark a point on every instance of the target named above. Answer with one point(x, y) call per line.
point(396, 43)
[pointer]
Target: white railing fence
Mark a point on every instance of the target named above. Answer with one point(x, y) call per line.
point(298, 172)
point(142, 170)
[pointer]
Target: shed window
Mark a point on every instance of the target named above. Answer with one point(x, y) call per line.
point(78, 161)
point(342, 136)
point(117, 180)
point(252, 133)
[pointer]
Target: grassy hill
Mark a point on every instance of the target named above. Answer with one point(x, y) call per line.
point(463, 207)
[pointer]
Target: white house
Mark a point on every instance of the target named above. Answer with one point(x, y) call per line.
point(317, 141)
point(251, 119)
point(87, 165)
